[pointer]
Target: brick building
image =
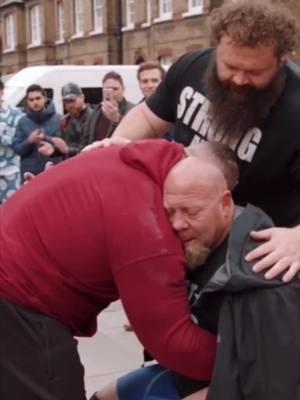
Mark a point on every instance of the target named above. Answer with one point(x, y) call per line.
point(103, 31)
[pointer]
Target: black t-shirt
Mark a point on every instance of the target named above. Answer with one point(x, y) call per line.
point(269, 154)
point(204, 309)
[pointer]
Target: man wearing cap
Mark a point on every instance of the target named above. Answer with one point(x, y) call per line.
point(73, 125)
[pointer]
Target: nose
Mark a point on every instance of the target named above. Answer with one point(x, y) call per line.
point(178, 222)
point(240, 78)
point(149, 85)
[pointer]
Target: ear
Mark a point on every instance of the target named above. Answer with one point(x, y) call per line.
point(227, 203)
point(283, 59)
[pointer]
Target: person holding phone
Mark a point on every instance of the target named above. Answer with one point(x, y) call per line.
point(111, 110)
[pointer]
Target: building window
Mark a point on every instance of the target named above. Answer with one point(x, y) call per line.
point(60, 22)
point(98, 15)
point(35, 26)
point(130, 14)
point(79, 17)
point(165, 9)
point(149, 11)
point(9, 32)
point(195, 5)
point(165, 61)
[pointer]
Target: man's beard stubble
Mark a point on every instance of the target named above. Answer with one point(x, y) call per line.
point(196, 256)
point(235, 111)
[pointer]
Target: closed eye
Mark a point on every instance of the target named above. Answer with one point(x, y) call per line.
point(193, 212)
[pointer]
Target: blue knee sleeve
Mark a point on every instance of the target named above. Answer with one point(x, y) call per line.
point(149, 383)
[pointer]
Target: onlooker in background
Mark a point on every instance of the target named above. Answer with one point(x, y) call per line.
point(40, 123)
point(73, 126)
point(149, 75)
point(111, 110)
point(9, 161)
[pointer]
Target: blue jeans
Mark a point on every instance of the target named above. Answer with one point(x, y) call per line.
point(149, 383)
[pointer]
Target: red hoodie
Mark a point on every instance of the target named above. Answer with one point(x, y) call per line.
point(94, 229)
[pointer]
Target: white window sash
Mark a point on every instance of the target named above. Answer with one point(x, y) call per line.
point(35, 25)
point(165, 9)
point(60, 21)
point(130, 13)
point(149, 11)
point(79, 22)
point(9, 32)
point(195, 5)
point(98, 15)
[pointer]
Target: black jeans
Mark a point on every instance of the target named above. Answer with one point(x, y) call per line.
point(38, 357)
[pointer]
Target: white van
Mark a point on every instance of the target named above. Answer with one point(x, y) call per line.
point(52, 78)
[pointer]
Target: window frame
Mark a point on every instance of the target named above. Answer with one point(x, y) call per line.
point(9, 27)
point(60, 21)
point(130, 14)
point(163, 14)
point(78, 17)
point(195, 8)
point(98, 27)
point(35, 25)
point(148, 13)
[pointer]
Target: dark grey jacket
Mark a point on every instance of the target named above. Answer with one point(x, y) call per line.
point(124, 107)
point(257, 323)
point(258, 355)
point(74, 131)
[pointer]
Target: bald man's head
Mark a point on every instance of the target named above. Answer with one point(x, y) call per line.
point(199, 205)
point(193, 171)
point(220, 155)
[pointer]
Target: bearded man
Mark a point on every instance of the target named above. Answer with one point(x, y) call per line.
point(246, 93)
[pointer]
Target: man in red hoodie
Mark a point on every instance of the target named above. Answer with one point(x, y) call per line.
point(94, 231)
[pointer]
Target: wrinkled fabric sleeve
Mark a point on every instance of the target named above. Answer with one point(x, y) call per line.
point(154, 295)
point(295, 171)
point(21, 145)
point(259, 352)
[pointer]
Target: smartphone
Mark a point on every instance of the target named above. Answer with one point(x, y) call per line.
point(107, 94)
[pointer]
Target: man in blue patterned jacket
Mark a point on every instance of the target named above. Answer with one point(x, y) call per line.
point(9, 160)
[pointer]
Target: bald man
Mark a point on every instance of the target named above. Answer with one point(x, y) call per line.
point(200, 207)
point(95, 230)
point(197, 198)
point(226, 296)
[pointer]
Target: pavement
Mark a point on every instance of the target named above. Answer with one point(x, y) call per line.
point(112, 352)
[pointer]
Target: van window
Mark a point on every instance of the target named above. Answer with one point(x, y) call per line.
point(22, 103)
point(49, 93)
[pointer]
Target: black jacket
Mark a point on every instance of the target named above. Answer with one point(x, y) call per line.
point(258, 323)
